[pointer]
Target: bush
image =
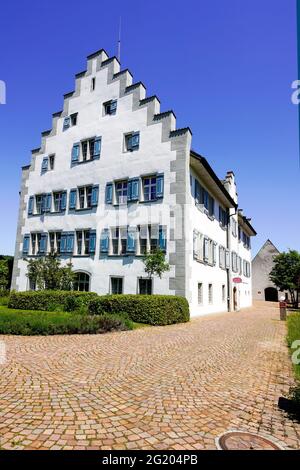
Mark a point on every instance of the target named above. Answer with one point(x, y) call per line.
point(151, 309)
point(52, 323)
point(293, 324)
point(47, 300)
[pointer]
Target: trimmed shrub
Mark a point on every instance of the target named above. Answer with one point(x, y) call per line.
point(150, 309)
point(50, 300)
point(52, 323)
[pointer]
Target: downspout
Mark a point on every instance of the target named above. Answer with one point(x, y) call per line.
point(228, 247)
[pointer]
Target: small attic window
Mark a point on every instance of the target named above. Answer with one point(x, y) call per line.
point(110, 107)
point(73, 119)
point(93, 83)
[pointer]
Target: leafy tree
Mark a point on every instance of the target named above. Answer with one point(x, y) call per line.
point(286, 274)
point(155, 263)
point(47, 273)
point(4, 274)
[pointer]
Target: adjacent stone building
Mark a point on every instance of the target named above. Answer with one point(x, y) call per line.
point(262, 264)
point(113, 179)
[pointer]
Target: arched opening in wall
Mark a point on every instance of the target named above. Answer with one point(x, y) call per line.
point(82, 282)
point(271, 294)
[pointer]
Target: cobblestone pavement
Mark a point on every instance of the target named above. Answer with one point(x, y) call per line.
point(175, 387)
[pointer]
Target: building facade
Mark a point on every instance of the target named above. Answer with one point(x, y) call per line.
point(114, 179)
point(262, 265)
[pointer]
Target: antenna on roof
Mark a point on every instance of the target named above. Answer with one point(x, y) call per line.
point(119, 41)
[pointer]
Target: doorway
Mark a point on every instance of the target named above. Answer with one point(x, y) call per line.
point(235, 302)
point(271, 294)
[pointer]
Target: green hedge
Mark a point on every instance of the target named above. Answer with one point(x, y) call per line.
point(68, 301)
point(55, 323)
point(150, 309)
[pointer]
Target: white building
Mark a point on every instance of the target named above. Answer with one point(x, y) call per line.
point(114, 178)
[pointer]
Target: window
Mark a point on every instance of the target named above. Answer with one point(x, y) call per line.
point(39, 243)
point(204, 199)
point(74, 119)
point(32, 284)
point(93, 83)
point(85, 197)
point(234, 227)
point(54, 242)
point(222, 257)
point(48, 163)
point(59, 201)
point(121, 192)
point(149, 186)
point(70, 121)
point(143, 239)
point(82, 282)
point(145, 286)
point(246, 240)
point(223, 293)
point(85, 242)
point(209, 251)
point(234, 262)
point(132, 141)
point(200, 293)
point(116, 285)
point(87, 150)
point(198, 246)
point(153, 187)
point(39, 206)
point(115, 235)
point(223, 217)
point(110, 107)
point(210, 293)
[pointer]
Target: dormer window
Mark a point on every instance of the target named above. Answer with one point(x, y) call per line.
point(110, 107)
point(132, 141)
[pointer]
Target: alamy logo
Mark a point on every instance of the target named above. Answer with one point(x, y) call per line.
point(296, 94)
point(2, 352)
point(2, 92)
point(296, 354)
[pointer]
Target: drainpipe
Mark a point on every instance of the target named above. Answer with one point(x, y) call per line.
point(228, 247)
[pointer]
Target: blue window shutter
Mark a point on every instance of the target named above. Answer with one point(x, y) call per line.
point(131, 239)
point(26, 242)
point(43, 243)
point(197, 192)
point(73, 198)
point(67, 122)
point(97, 147)
point(135, 140)
point(134, 189)
point(160, 186)
point(92, 246)
point(162, 238)
point(64, 201)
point(104, 242)
point(45, 164)
point(75, 153)
point(108, 193)
point(70, 242)
point(113, 107)
point(129, 190)
point(47, 202)
point(95, 194)
point(63, 243)
point(30, 205)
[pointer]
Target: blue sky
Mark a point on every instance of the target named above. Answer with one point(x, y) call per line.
point(225, 68)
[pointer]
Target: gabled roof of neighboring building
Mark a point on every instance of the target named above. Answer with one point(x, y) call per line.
point(243, 220)
point(267, 243)
point(210, 175)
